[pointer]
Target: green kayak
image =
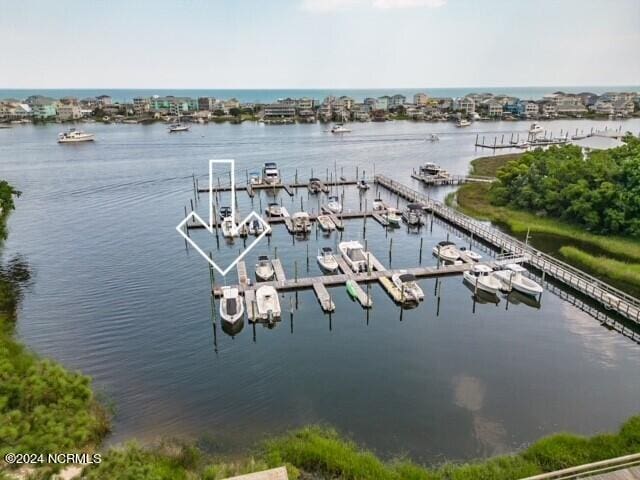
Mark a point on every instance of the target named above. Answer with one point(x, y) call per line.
point(352, 288)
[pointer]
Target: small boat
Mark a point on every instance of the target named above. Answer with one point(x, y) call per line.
point(75, 136)
point(264, 269)
point(378, 204)
point(446, 251)
point(392, 217)
point(352, 289)
point(256, 227)
point(178, 127)
point(274, 210)
point(231, 305)
point(225, 212)
point(476, 257)
point(334, 204)
point(433, 138)
point(340, 128)
point(463, 123)
point(412, 214)
point(268, 303)
point(535, 129)
point(482, 278)
point(406, 283)
point(430, 168)
point(362, 185)
point(326, 223)
point(254, 178)
point(315, 185)
point(301, 222)
point(270, 173)
point(327, 259)
point(512, 278)
point(229, 229)
point(354, 254)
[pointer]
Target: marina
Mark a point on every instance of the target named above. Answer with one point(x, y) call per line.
point(149, 315)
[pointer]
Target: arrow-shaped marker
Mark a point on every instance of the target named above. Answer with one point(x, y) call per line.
point(194, 217)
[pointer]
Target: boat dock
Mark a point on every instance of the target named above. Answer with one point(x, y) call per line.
point(609, 297)
point(323, 297)
point(449, 179)
point(363, 298)
point(250, 188)
point(279, 271)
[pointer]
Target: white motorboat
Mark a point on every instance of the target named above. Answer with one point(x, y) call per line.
point(363, 185)
point(264, 269)
point(327, 259)
point(433, 138)
point(300, 222)
point(512, 278)
point(412, 214)
point(231, 305)
point(75, 136)
point(476, 257)
point(378, 204)
point(229, 229)
point(315, 185)
point(326, 223)
point(256, 227)
point(447, 251)
point(482, 278)
point(406, 283)
point(535, 129)
point(463, 123)
point(334, 204)
point(225, 212)
point(392, 217)
point(178, 127)
point(354, 254)
point(270, 173)
point(268, 303)
point(340, 128)
point(274, 210)
point(430, 168)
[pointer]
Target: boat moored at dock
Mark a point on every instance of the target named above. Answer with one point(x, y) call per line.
point(274, 210)
point(300, 222)
point(327, 260)
point(270, 174)
point(482, 277)
point(264, 269)
point(408, 286)
point(412, 214)
point(447, 251)
point(512, 278)
point(353, 253)
point(231, 305)
point(334, 204)
point(267, 303)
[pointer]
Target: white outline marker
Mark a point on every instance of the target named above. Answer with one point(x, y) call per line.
point(210, 226)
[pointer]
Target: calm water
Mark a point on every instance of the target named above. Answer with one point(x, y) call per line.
point(116, 295)
point(271, 95)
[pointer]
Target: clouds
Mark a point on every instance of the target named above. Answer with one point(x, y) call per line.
point(327, 6)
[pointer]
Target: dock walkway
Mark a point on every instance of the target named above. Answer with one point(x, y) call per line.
point(609, 297)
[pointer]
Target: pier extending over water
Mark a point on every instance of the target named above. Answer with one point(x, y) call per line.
point(609, 297)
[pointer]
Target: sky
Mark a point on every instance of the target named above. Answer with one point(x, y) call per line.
point(318, 43)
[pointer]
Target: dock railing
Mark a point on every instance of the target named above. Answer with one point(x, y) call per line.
point(609, 296)
point(590, 469)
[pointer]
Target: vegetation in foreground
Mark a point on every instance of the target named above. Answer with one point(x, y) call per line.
point(515, 201)
point(43, 407)
point(321, 453)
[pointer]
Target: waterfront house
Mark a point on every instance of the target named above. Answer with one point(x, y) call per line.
point(141, 105)
point(548, 108)
point(172, 105)
point(381, 103)
point(66, 112)
point(571, 106)
point(379, 115)
point(42, 107)
point(603, 107)
point(346, 102)
point(279, 111)
point(493, 108)
point(465, 105)
point(370, 101)
point(305, 103)
point(103, 100)
point(397, 100)
point(421, 99)
point(12, 109)
point(623, 106)
point(206, 103)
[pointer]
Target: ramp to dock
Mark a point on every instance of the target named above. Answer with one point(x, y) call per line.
point(279, 271)
point(323, 297)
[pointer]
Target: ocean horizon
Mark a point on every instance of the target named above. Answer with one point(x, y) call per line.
point(267, 95)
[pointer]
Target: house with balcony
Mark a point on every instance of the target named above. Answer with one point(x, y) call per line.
point(382, 103)
point(279, 111)
point(68, 112)
point(421, 99)
point(43, 108)
point(603, 107)
point(623, 107)
point(397, 100)
point(466, 105)
point(493, 108)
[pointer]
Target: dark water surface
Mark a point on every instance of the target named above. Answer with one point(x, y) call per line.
point(116, 295)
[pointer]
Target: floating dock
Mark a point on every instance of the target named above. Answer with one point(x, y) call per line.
point(450, 179)
point(279, 271)
point(323, 297)
point(288, 187)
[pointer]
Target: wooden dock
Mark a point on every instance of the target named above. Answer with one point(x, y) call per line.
point(323, 297)
point(435, 180)
point(279, 271)
point(250, 304)
point(609, 297)
point(288, 187)
point(243, 279)
point(363, 298)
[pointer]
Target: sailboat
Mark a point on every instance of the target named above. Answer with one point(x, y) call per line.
point(178, 127)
